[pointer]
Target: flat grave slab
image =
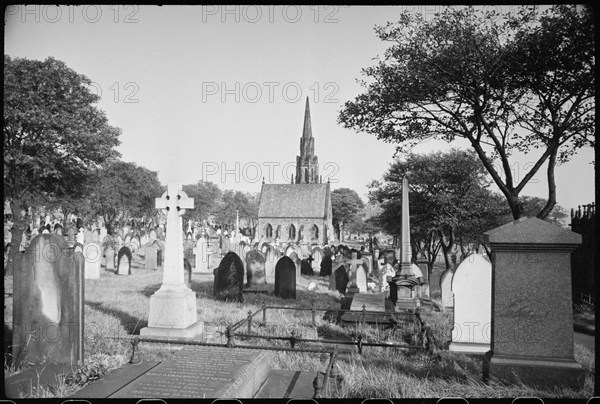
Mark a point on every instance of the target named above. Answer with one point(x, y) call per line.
point(194, 372)
point(378, 311)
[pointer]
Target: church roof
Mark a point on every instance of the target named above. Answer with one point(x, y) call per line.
point(294, 200)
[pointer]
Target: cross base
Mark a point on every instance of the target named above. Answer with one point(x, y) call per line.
point(171, 310)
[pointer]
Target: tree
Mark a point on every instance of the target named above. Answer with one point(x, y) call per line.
point(345, 206)
point(123, 191)
point(54, 136)
point(449, 201)
point(231, 201)
point(205, 194)
point(490, 79)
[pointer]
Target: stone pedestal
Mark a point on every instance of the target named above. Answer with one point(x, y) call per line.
point(532, 317)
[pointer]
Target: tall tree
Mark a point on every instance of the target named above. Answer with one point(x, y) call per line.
point(232, 201)
point(345, 207)
point(490, 79)
point(123, 191)
point(54, 135)
point(205, 194)
point(449, 201)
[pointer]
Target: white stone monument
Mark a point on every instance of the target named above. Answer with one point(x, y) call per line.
point(446, 287)
point(173, 307)
point(472, 287)
point(92, 252)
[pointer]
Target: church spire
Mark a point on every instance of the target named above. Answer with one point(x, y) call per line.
point(307, 164)
point(307, 130)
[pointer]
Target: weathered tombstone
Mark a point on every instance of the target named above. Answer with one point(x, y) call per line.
point(229, 279)
point(361, 279)
point(109, 254)
point(326, 264)
point(151, 255)
point(202, 253)
point(124, 261)
point(48, 313)
point(92, 252)
point(255, 268)
point(472, 287)
point(317, 255)
point(532, 330)
point(270, 262)
point(285, 278)
point(446, 288)
point(296, 261)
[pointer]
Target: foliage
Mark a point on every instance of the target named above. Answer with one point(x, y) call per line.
point(449, 200)
point(124, 190)
point(205, 195)
point(488, 78)
point(345, 206)
point(246, 204)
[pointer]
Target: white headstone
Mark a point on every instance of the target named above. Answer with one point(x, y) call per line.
point(92, 252)
point(103, 233)
point(79, 236)
point(202, 253)
point(472, 287)
point(317, 258)
point(361, 279)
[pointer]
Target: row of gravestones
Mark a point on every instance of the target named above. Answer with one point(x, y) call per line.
point(229, 276)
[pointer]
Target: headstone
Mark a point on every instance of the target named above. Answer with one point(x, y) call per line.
point(103, 233)
point(270, 262)
point(48, 313)
point(296, 261)
point(229, 279)
point(202, 255)
point(361, 279)
point(306, 267)
point(109, 254)
point(172, 310)
point(124, 261)
point(532, 319)
point(341, 279)
point(92, 252)
point(151, 255)
point(187, 269)
point(326, 263)
point(317, 255)
point(255, 268)
point(285, 278)
point(446, 288)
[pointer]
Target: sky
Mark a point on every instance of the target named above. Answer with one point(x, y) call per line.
point(217, 93)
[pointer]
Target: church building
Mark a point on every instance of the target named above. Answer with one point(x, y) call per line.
point(300, 211)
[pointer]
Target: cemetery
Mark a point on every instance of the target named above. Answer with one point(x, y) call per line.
point(448, 282)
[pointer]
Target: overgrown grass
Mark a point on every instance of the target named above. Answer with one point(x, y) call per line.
point(116, 308)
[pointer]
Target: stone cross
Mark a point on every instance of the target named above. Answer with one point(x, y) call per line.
point(174, 202)
point(354, 263)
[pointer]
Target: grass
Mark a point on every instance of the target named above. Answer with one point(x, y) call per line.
point(117, 306)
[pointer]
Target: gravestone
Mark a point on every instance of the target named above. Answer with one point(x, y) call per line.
point(92, 252)
point(361, 279)
point(187, 269)
point(317, 255)
point(124, 261)
point(229, 279)
point(296, 261)
point(194, 372)
point(472, 287)
point(285, 278)
point(532, 329)
point(270, 262)
point(48, 313)
point(172, 310)
point(306, 267)
point(151, 255)
point(109, 254)
point(326, 264)
point(202, 254)
point(255, 268)
point(446, 287)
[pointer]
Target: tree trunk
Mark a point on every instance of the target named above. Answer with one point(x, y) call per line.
point(551, 186)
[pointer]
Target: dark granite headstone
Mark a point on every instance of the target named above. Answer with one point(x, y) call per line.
point(285, 278)
point(48, 306)
point(326, 264)
point(306, 267)
point(341, 279)
point(229, 279)
point(255, 268)
point(124, 261)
